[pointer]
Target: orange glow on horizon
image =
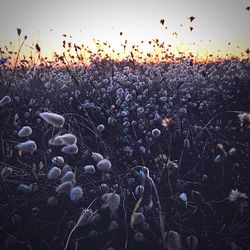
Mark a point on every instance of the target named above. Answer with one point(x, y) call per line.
point(217, 29)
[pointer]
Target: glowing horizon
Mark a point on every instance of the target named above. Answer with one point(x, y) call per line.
point(216, 24)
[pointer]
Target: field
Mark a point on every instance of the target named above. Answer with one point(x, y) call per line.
point(151, 155)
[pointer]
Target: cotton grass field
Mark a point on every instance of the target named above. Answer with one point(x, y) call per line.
point(140, 153)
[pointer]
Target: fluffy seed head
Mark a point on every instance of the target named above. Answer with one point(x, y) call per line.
point(104, 165)
point(76, 194)
point(58, 161)
point(27, 147)
point(97, 157)
point(89, 169)
point(54, 173)
point(25, 131)
point(70, 149)
point(68, 139)
point(56, 141)
point(64, 188)
point(68, 176)
point(52, 118)
point(112, 200)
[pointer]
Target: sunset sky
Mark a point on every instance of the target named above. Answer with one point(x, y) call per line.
point(221, 21)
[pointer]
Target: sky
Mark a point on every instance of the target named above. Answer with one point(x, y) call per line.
point(220, 21)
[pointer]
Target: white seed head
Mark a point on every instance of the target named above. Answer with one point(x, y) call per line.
point(52, 118)
point(58, 161)
point(66, 169)
point(27, 147)
point(76, 194)
point(97, 157)
point(70, 149)
point(23, 188)
point(54, 173)
point(139, 190)
point(89, 169)
point(6, 172)
point(56, 141)
point(25, 131)
point(100, 127)
point(112, 200)
point(68, 139)
point(64, 188)
point(68, 176)
point(104, 165)
point(183, 197)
